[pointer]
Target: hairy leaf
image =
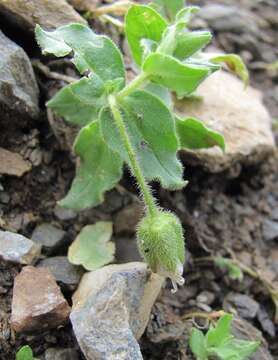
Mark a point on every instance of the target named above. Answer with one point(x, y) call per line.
point(25, 353)
point(92, 248)
point(141, 23)
point(161, 92)
point(234, 63)
point(235, 349)
point(80, 101)
point(188, 43)
point(167, 8)
point(151, 129)
point(99, 171)
point(235, 271)
point(94, 53)
point(177, 76)
point(193, 134)
point(197, 344)
point(221, 333)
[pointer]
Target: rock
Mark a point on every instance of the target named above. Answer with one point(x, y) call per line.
point(66, 274)
point(64, 214)
point(49, 14)
point(38, 303)
point(265, 322)
point(17, 248)
point(49, 237)
point(270, 230)
point(128, 218)
point(226, 18)
point(61, 354)
point(243, 305)
point(238, 115)
point(127, 250)
point(111, 308)
point(13, 164)
point(243, 330)
point(18, 87)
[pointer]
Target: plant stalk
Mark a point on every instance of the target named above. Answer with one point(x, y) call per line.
point(134, 84)
point(134, 164)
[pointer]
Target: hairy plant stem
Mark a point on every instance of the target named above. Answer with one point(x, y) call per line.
point(134, 164)
point(134, 84)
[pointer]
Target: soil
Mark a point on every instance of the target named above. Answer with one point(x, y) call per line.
point(223, 214)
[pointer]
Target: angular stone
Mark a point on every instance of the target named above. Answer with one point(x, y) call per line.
point(38, 303)
point(238, 114)
point(17, 248)
point(13, 164)
point(66, 274)
point(61, 354)
point(18, 87)
point(270, 230)
point(111, 308)
point(48, 236)
point(244, 305)
point(49, 14)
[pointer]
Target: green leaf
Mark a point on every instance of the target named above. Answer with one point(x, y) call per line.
point(141, 23)
point(99, 171)
point(25, 353)
point(94, 53)
point(235, 272)
point(92, 248)
point(234, 63)
point(177, 76)
point(235, 349)
point(193, 134)
point(161, 92)
point(188, 43)
point(151, 129)
point(80, 101)
point(167, 8)
point(198, 345)
point(221, 333)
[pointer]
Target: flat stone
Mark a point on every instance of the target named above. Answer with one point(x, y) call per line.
point(17, 248)
point(244, 306)
point(49, 14)
point(111, 308)
point(18, 87)
point(38, 303)
point(238, 114)
point(66, 274)
point(270, 230)
point(64, 214)
point(49, 237)
point(61, 354)
point(13, 164)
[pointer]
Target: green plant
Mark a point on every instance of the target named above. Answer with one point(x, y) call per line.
point(135, 123)
point(25, 353)
point(219, 342)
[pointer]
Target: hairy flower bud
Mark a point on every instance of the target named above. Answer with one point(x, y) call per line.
point(161, 243)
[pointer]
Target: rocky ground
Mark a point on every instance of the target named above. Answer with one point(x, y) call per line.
point(229, 207)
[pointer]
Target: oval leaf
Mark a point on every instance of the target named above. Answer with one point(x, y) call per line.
point(197, 344)
point(151, 129)
point(188, 43)
point(167, 8)
point(193, 134)
point(94, 53)
point(25, 353)
point(173, 74)
point(99, 171)
point(141, 23)
point(92, 248)
point(80, 101)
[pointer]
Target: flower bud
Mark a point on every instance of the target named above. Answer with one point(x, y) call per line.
point(161, 243)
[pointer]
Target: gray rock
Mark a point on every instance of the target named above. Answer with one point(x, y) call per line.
point(49, 14)
point(111, 309)
point(243, 305)
point(38, 303)
point(49, 237)
point(18, 87)
point(64, 272)
point(270, 230)
point(64, 214)
point(238, 114)
point(12, 163)
point(61, 354)
point(228, 18)
point(17, 248)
